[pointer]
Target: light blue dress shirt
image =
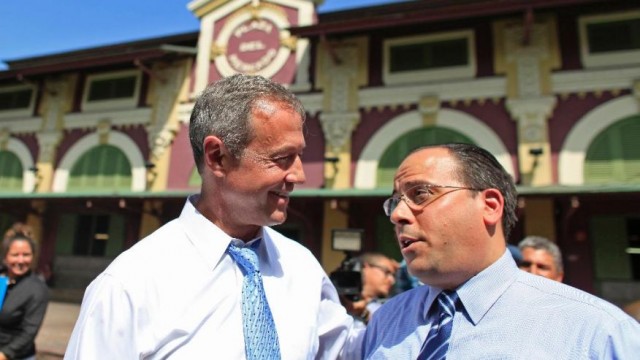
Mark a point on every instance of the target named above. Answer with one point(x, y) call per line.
point(508, 314)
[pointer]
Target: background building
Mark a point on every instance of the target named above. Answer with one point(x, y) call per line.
point(94, 150)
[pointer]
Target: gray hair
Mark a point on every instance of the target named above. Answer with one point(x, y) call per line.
point(224, 110)
point(542, 243)
point(479, 169)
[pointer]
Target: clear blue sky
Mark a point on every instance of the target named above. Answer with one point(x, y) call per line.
point(31, 28)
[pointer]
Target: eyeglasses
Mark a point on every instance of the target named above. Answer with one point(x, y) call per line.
point(419, 196)
point(384, 269)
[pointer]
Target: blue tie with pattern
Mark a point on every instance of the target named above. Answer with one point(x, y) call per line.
point(437, 343)
point(260, 335)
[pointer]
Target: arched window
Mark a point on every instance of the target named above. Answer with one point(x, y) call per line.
point(614, 155)
point(408, 142)
point(10, 172)
point(105, 167)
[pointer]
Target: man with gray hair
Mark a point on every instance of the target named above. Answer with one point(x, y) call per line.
point(218, 281)
point(542, 257)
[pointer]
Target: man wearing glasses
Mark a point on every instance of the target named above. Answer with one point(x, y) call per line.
point(453, 207)
point(378, 276)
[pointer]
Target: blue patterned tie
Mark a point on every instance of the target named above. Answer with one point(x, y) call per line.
point(437, 343)
point(260, 335)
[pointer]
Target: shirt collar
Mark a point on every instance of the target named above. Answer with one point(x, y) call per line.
point(210, 241)
point(480, 292)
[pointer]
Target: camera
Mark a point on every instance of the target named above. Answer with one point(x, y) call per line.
point(348, 279)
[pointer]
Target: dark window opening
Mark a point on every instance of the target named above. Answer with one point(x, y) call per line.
point(13, 100)
point(92, 234)
point(108, 89)
point(633, 233)
point(614, 36)
point(429, 55)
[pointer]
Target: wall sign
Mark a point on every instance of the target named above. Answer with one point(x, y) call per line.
point(253, 41)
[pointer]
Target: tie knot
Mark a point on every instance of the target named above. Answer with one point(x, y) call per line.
point(246, 257)
point(448, 301)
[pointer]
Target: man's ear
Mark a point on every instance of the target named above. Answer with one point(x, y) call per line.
point(493, 206)
point(216, 156)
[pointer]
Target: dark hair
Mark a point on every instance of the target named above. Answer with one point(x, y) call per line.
point(479, 169)
point(224, 110)
point(18, 232)
point(8, 241)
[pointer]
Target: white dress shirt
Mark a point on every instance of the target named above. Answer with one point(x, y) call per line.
point(178, 294)
point(508, 314)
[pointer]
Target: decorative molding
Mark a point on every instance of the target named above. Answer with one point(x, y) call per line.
point(428, 106)
point(337, 129)
point(103, 129)
point(22, 125)
point(55, 104)
point(582, 81)
point(484, 88)
point(48, 142)
point(163, 127)
point(532, 115)
point(116, 117)
point(184, 112)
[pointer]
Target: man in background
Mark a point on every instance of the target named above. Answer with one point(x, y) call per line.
point(542, 257)
point(378, 277)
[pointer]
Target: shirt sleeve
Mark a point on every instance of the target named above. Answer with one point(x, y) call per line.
point(624, 341)
point(106, 326)
point(338, 335)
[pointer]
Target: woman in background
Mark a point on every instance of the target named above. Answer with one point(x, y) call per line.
point(26, 299)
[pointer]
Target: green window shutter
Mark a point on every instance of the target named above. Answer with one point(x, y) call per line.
point(614, 155)
point(116, 236)
point(609, 239)
point(386, 238)
point(66, 234)
point(10, 172)
point(195, 180)
point(104, 167)
point(401, 147)
point(629, 138)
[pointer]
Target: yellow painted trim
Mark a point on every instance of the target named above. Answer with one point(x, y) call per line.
point(539, 217)
point(210, 7)
point(150, 223)
point(334, 218)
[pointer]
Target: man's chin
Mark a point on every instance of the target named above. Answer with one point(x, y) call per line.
point(277, 218)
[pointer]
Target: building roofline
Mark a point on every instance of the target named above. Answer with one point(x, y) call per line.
point(142, 50)
point(414, 12)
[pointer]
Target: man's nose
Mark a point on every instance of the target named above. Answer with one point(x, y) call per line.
point(296, 172)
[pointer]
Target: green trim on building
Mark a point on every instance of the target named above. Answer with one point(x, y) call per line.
point(322, 193)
